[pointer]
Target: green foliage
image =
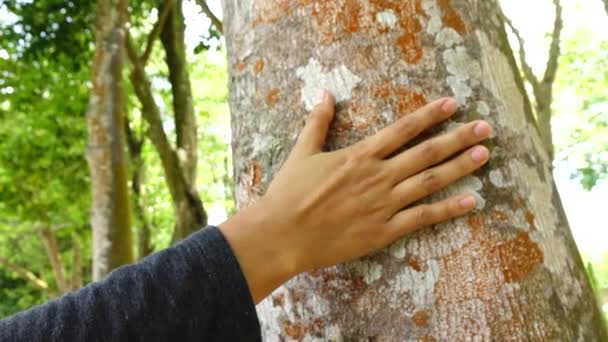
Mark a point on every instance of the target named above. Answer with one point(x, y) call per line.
point(582, 105)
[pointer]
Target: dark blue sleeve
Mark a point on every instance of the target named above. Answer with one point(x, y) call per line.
point(194, 291)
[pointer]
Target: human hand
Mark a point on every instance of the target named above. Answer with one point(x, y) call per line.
point(324, 208)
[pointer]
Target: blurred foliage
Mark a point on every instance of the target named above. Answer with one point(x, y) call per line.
point(46, 48)
point(582, 102)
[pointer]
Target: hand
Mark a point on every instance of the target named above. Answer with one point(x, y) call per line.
point(324, 208)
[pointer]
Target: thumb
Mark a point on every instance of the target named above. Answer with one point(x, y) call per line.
point(314, 134)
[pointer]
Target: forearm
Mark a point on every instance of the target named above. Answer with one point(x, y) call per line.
point(189, 292)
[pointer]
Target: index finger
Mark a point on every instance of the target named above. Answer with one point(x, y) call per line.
point(391, 138)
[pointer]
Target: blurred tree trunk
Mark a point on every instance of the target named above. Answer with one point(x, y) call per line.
point(112, 237)
point(190, 218)
point(606, 5)
point(135, 146)
point(510, 271)
point(179, 162)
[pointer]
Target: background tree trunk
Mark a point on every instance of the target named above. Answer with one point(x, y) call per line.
point(112, 237)
point(179, 163)
point(510, 271)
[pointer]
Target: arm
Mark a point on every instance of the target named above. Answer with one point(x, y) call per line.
point(309, 211)
point(190, 292)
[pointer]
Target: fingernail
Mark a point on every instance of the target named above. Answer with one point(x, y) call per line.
point(467, 202)
point(480, 154)
point(321, 97)
point(482, 129)
point(449, 106)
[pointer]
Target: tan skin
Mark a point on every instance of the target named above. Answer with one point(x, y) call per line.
point(324, 208)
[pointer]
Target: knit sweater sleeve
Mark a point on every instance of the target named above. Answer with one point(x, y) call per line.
point(194, 291)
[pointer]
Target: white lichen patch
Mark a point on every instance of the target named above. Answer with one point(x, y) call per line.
point(369, 270)
point(465, 72)
point(448, 37)
point(468, 185)
point(261, 144)
point(539, 194)
point(418, 286)
point(397, 249)
point(389, 117)
point(499, 78)
point(387, 18)
point(497, 178)
point(340, 81)
point(434, 14)
point(483, 108)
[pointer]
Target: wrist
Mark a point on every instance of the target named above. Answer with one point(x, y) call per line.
point(263, 252)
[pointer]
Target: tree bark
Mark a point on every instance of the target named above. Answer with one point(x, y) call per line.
point(112, 237)
point(510, 271)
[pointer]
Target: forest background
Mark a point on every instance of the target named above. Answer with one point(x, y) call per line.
point(46, 54)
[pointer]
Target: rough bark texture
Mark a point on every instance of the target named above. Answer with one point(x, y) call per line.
point(112, 238)
point(510, 271)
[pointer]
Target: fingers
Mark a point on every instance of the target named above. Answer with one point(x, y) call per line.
point(436, 150)
point(413, 219)
point(314, 134)
point(437, 178)
point(407, 128)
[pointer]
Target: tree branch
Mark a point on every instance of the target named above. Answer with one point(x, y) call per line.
point(555, 50)
point(527, 70)
point(50, 243)
point(163, 13)
point(606, 6)
point(28, 276)
point(214, 19)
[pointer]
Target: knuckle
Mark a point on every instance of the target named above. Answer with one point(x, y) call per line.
point(422, 216)
point(408, 126)
point(430, 151)
point(430, 181)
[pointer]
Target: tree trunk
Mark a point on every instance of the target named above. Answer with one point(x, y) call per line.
point(172, 37)
point(112, 238)
point(510, 271)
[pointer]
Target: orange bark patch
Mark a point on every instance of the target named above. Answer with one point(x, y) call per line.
point(339, 19)
point(415, 265)
point(404, 100)
point(482, 267)
point(530, 218)
point(278, 299)
point(240, 66)
point(451, 18)
point(298, 331)
point(428, 338)
point(273, 96)
point(519, 257)
point(259, 66)
point(421, 319)
point(257, 173)
point(294, 330)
